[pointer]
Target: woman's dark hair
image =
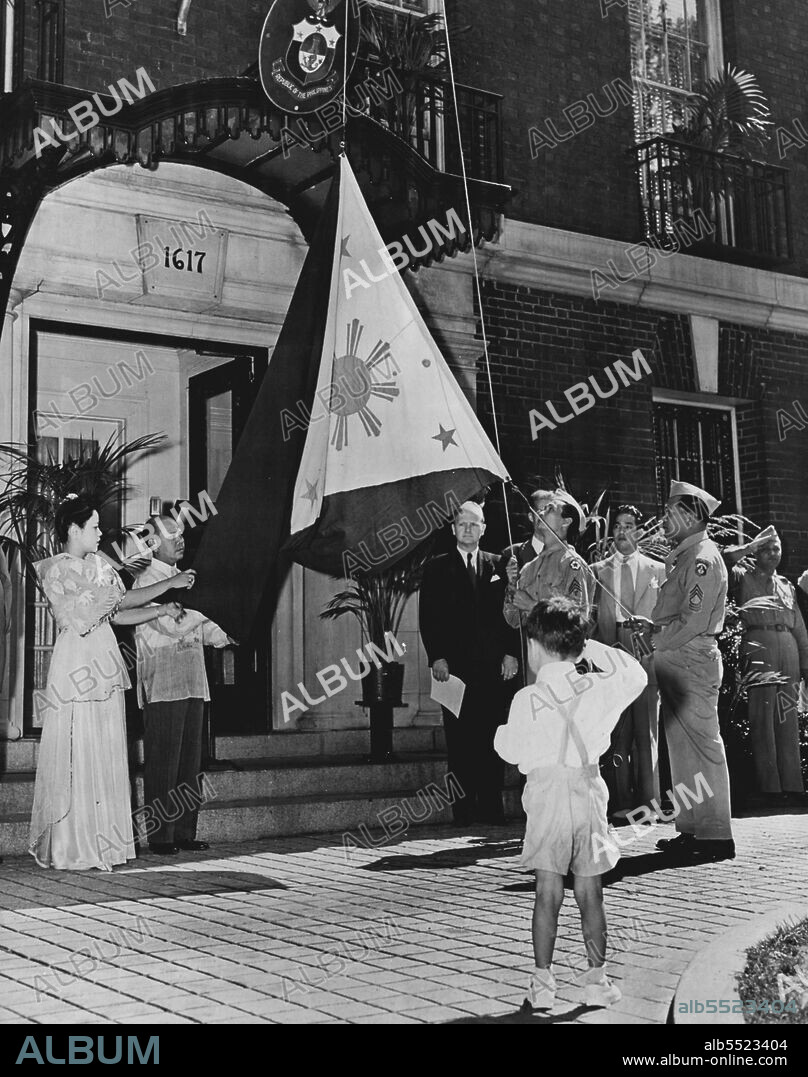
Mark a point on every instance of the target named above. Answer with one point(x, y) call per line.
point(74, 510)
point(559, 625)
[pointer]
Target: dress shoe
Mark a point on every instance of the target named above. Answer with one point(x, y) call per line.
point(675, 846)
point(192, 846)
point(703, 851)
point(163, 848)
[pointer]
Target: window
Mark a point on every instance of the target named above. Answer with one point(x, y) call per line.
point(697, 444)
point(50, 66)
point(675, 47)
point(12, 15)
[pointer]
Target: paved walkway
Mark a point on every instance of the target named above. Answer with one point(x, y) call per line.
point(432, 928)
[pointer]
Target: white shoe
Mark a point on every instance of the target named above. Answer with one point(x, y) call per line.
point(541, 990)
point(598, 988)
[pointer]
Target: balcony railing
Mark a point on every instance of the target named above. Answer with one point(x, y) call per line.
point(744, 203)
point(423, 115)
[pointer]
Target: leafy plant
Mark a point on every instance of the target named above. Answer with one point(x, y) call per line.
point(378, 602)
point(33, 487)
point(729, 115)
point(414, 48)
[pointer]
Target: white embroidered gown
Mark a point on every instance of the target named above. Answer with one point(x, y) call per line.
point(81, 816)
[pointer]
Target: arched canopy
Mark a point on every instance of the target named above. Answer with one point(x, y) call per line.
point(228, 125)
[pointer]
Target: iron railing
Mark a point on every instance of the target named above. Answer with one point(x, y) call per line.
point(736, 208)
point(421, 112)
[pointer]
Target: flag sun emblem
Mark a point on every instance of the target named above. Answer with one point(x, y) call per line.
point(354, 384)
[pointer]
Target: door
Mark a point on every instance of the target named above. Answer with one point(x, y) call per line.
point(219, 401)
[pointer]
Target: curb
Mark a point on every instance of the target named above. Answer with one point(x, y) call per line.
point(711, 974)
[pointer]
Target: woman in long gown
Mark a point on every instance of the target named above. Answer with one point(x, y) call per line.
point(81, 816)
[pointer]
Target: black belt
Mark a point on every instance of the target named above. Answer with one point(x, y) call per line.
point(767, 628)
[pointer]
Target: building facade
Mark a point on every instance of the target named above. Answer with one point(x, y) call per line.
point(644, 298)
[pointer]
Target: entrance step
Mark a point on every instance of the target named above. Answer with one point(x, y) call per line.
point(260, 797)
point(22, 755)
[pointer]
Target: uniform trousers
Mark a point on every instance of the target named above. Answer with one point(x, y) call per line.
point(689, 680)
point(773, 723)
point(172, 749)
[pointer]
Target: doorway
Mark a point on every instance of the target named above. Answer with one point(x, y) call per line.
point(219, 402)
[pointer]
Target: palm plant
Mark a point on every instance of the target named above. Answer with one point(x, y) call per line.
point(33, 487)
point(378, 602)
point(413, 47)
point(729, 116)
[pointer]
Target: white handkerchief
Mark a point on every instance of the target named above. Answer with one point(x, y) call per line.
point(449, 694)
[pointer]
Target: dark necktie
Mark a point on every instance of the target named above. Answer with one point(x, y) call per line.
point(626, 587)
point(471, 569)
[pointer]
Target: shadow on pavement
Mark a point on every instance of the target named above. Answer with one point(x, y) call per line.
point(523, 1016)
point(61, 889)
point(445, 859)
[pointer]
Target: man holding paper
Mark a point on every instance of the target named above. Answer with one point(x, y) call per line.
point(466, 637)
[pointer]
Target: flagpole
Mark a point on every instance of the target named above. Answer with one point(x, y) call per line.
point(476, 266)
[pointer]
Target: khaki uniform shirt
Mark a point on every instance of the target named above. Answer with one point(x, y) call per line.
point(557, 572)
point(693, 599)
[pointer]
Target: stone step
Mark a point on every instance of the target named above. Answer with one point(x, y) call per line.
point(347, 812)
point(247, 779)
point(22, 755)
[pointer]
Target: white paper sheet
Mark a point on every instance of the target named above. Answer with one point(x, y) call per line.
point(449, 694)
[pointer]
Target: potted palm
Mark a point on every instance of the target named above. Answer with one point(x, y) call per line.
point(378, 602)
point(727, 126)
point(413, 48)
point(34, 484)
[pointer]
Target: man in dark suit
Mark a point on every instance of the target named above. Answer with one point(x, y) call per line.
point(465, 636)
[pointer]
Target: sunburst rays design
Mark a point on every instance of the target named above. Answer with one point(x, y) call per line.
point(354, 384)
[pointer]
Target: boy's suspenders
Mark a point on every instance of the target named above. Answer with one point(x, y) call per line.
point(571, 730)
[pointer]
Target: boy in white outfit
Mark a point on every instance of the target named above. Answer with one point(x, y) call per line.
point(557, 730)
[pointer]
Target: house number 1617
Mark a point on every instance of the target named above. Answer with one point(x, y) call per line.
point(178, 259)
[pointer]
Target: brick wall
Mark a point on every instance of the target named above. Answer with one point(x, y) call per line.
point(542, 344)
point(543, 56)
point(222, 39)
point(768, 38)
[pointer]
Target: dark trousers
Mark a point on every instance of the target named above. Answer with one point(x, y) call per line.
point(471, 756)
point(172, 749)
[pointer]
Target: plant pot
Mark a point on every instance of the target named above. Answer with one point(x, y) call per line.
point(383, 685)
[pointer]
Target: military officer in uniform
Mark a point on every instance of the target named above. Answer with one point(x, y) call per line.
point(688, 618)
point(556, 570)
point(775, 641)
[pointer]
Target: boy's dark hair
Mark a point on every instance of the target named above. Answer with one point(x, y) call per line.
point(559, 625)
point(629, 510)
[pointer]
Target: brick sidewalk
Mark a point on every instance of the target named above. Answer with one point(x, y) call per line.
point(433, 928)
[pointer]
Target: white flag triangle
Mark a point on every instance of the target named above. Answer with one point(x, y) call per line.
point(387, 408)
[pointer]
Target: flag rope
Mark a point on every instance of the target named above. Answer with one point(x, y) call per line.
point(476, 267)
point(345, 85)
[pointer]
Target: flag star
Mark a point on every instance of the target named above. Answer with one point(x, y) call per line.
point(446, 438)
point(311, 493)
point(344, 252)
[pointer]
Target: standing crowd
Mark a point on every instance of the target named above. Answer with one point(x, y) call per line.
point(606, 648)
